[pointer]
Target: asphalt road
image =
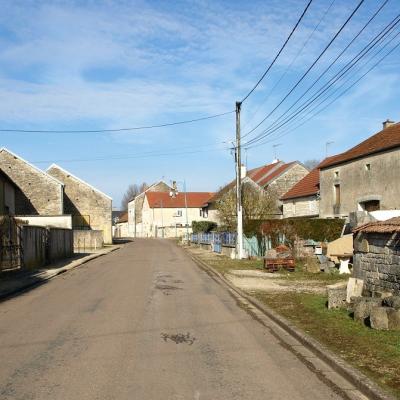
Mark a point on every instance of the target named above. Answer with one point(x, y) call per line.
point(143, 323)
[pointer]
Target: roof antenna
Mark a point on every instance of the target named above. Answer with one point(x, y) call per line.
point(275, 160)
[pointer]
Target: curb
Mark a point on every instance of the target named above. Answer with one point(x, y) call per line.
point(357, 378)
point(40, 280)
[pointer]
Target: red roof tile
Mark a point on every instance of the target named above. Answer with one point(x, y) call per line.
point(384, 140)
point(164, 200)
point(123, 217)
point(275, 173)
point(308, 186)
point(389, 226)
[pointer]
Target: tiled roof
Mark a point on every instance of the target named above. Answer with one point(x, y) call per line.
point(308, 186)
point(123, 217)
point(262, 176)
point(164, 200)
point(386, 139)
point(389, 226)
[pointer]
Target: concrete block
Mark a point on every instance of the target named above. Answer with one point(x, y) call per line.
point(354, 288)
point(379, 318)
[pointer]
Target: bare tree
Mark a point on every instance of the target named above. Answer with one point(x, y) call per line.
point(311, 164)
point(132, 191)
point(257, 204)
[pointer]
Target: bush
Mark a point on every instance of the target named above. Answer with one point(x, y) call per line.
point(203, 226)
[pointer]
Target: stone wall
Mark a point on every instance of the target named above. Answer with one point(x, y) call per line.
point(301, 207)
point(89, 207)
point(39, 194)
point(288, 179)
point(377, 261)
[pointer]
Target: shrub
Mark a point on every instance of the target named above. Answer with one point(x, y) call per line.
point(203, 226)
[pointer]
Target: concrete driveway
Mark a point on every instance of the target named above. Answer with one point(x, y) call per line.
point(143, 323)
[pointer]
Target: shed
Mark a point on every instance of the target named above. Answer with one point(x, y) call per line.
point(377, 256)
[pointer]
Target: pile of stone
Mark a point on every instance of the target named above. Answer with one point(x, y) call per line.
point(381, 312)
point(378, 313)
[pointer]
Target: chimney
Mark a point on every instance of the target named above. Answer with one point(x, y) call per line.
point(275, 160)
point(387, 123)
point(243, 171)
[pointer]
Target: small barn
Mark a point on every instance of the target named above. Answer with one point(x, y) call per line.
point(377, 256)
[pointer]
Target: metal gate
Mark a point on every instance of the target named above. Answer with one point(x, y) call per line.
point(10, 244)
point(217, 243)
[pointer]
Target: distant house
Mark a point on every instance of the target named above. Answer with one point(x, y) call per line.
point(279, 177)
point(38, 192)
point(364, 178)
point(121, 226)
point(90, 208)
point(165, 216)
point(135, 207)
point(302, 200)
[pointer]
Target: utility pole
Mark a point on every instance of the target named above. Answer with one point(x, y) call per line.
point(187, 217)
point(239, 211)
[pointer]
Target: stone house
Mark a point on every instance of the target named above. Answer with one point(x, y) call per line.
point(121, 226)
point(135, 207)
point(90, 208)
point(166, 216)
point(278, 177)
point(302, 200)
point(364, 178)
point(377, 256)
point(37, 193)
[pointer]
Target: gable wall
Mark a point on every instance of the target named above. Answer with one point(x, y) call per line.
point(39, 194)
point(87, 206)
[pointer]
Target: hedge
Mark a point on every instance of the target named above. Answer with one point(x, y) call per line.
point(317, 229)
point(203, 226)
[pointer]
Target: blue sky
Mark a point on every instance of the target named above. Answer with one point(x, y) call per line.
point(114, 64)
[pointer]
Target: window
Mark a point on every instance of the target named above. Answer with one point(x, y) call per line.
point(337, 194)
point(368, 167)
point(336, 174)
point(371, 205)
point(178, 213)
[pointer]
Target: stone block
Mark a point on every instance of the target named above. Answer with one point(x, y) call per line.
point(363, 306)
point(337, 295)
point(379, 318)
point(392, 301)
point(393, 318)
point(354, 288)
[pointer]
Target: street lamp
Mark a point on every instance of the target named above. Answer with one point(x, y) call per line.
point(173, 193)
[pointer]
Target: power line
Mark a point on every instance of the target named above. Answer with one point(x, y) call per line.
point(326, 69)
point(339, 75)
point(309, 69)
point(332, 101)
point(136, 128)
point(291, 63)
point(155, 153)
point(279, 52)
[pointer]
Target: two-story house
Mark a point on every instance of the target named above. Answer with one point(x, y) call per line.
point(364, 178)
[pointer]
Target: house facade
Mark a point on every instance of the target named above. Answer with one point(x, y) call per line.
point(38, 193)
point(135, 207)
point(90, 208)
point(164, 215)
point(364, 178)
point(121, 226)
point(302, 200)
point(278, 177)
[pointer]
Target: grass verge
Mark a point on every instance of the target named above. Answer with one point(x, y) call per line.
point(376, 353)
